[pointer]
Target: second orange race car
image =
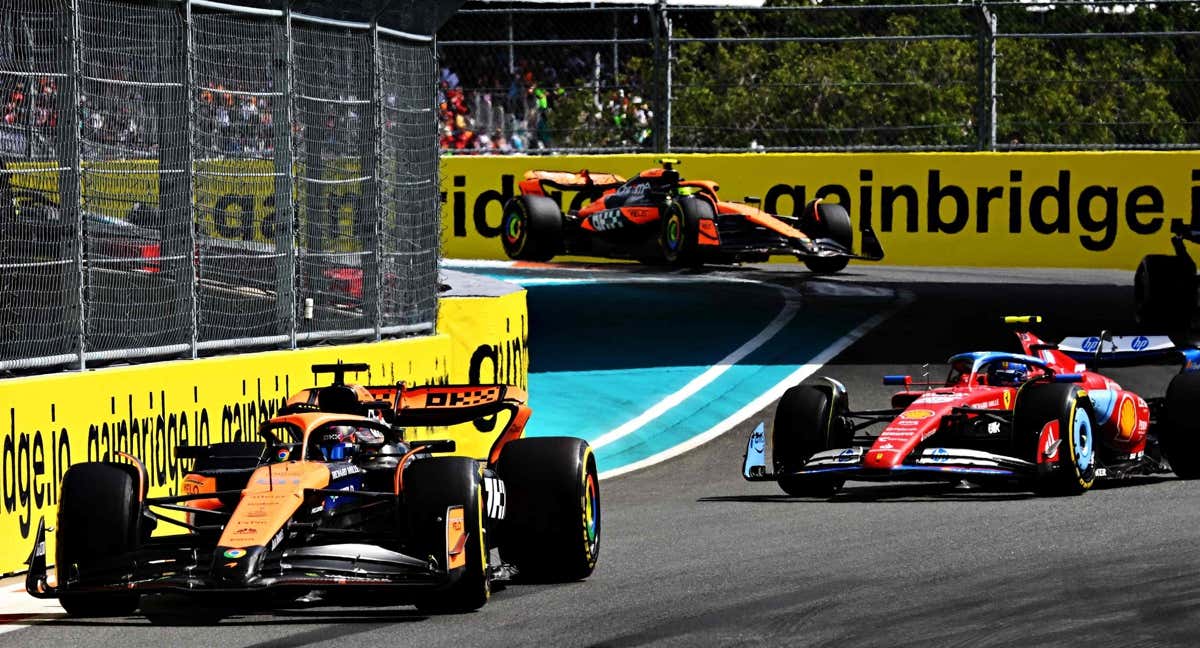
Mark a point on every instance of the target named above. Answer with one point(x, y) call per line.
point(659, 217)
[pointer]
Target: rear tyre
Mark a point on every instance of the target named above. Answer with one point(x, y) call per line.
point(831, 221)
point(551, 529)
point(99, 520)
point(1180, 435)
point(431, 486)
point(1164, 293)
point(1038, 405)
point(532, 228)
point(805, 424)
point(680, 236)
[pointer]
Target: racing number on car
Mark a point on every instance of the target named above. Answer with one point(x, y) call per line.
point(495, 497)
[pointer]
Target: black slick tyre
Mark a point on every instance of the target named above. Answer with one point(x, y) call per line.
point(1179, 434)
point(1164, 293)
point(679, 239)
point(1074, 471)
point(551, 529)
point(805, 424)
point(431, 487)
point(532, 228)
point(829, 221)
point(99, 520)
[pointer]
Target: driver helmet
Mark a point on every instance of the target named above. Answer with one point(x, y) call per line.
point(1007, 374)
point(336, 442)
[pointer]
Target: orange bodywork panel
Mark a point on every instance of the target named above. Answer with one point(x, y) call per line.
point(515, 430)
point(708, 233)
point(760, 217)
point(271, 498)
point(640, 215)
point(197, 484)
point(456, 538)
point(535, 180)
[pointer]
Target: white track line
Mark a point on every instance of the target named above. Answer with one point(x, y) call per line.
point(791, 306)
point(767, 397)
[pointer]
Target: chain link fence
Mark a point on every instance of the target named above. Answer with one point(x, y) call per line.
point(180, 177)
point(832, 75)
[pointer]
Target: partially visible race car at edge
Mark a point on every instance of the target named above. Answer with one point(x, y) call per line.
point(335, 497)
point(1040, 418)
point(1164, 287)
point(658, 217)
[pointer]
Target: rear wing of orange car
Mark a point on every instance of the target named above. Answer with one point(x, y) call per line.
point(444, 405)
point(536, 181)
point(447, 404)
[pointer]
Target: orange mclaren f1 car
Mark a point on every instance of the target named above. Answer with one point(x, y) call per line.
point(334, 496)
point(659, 217)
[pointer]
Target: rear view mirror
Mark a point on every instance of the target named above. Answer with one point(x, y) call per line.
point(897, 380)
point(1067, 377)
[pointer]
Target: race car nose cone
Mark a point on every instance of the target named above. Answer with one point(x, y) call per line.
point(881, 459)
point(236, 566)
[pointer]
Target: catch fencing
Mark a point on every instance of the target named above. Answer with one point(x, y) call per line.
point(836, 75)
point(180, 177)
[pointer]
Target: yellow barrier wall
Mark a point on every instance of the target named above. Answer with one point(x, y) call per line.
point(54, 420)
point(1081, 210)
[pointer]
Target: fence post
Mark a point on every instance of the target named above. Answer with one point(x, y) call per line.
point(182, 250)
point(987, 78)
point(660, 30)
point(282, 112)
point(372, 288)
point(70, 157)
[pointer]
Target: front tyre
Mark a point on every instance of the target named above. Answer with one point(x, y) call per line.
point(431, 487)
point(805, 423)
point(1065, 413)
point(829, 221)
point(679, 240)
point(99, 520)
point(1164, 293)
point(551, 529)
point(532, 228)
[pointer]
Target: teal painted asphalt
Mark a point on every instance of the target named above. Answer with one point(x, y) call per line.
point(602, 352)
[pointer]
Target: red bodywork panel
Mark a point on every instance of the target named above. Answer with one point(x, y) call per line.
point(1122, 416)
point(923, 416)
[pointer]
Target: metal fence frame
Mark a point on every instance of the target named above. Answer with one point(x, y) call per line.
point(664, 41)
point(413, 318)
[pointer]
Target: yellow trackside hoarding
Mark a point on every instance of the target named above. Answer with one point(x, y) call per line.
point(1078, 210)
point(53, 421)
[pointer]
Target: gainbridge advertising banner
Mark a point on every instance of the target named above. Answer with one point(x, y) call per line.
point(53, 421)
point(1073, 210)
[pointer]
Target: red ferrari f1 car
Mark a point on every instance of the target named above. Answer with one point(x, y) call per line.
point(1041, 417)
point(659, 217)
point(334, 496)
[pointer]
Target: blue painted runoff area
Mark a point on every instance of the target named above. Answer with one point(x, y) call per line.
point(603, 351)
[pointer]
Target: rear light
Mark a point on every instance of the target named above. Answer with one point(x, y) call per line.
point(150, 251)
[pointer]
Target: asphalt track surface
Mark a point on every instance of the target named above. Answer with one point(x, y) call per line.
point(693, 556)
